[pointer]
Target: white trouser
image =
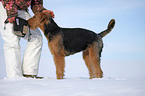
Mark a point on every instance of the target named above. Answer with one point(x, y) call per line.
point(11, 47)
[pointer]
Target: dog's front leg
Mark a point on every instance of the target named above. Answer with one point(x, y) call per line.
point(60, 65)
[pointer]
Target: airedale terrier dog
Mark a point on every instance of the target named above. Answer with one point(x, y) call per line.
point(68, 41)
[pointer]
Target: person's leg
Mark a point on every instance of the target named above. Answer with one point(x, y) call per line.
point(33, 50)
point(32, 55)
point(11, 47)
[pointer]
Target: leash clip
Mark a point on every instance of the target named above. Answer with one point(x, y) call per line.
point(6, 21)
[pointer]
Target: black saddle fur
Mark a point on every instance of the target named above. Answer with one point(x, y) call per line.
point(74, 39)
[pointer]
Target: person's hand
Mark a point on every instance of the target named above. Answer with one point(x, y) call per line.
point(11, 20)
point(50, 12)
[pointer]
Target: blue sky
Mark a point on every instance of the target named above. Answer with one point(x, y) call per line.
point(125, 45)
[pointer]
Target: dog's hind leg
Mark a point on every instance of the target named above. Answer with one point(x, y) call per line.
point(94, 54)
point(88, 62)
point(60, 65)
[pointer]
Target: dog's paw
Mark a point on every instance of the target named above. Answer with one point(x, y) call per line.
point(99, 74)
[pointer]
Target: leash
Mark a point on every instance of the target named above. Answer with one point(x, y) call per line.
point(29, 37)
point(6, 21)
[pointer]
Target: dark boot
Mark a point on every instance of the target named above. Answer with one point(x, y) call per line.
point(32, 76)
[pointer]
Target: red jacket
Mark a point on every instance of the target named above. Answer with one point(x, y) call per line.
point(12, 6)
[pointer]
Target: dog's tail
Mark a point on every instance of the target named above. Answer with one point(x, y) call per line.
point(110, 27)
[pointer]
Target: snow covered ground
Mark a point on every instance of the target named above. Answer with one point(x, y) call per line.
point(72, 87)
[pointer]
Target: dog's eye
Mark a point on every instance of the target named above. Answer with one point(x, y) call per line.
point(34, 16)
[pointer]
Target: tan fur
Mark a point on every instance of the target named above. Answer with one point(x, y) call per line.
point(90, 55)
point(56, 46)
point(88, 62)
point(57, 50)
point(60, 64)
point(37, 20)
point(95, 60)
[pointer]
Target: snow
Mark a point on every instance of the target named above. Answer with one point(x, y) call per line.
point(71, 87)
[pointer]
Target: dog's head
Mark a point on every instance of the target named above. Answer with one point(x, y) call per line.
point(39, 19)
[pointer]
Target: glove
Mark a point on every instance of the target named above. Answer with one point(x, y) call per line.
point(11, 20)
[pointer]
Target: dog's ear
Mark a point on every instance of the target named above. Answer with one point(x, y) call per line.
point(45, 17)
